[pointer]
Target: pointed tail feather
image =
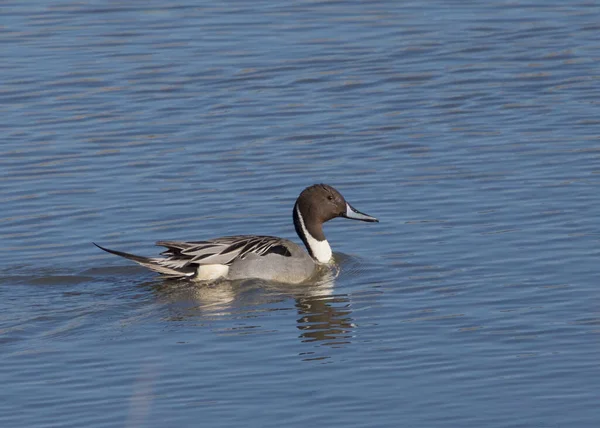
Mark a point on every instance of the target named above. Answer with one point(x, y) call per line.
point(137, 259)
point(152, 264)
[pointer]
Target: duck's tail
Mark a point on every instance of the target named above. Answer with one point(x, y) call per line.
point(154, 264)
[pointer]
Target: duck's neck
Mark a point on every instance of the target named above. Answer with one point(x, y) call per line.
point(313, 238)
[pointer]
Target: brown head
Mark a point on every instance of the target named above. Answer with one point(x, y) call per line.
point(316, 205)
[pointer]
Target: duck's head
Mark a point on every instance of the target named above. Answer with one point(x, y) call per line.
point(316, 205)
point(321, 203)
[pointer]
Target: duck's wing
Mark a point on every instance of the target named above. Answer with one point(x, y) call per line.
point(181, 259)
point(222, 251)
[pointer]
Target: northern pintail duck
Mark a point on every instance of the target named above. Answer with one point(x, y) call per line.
point(262, 257)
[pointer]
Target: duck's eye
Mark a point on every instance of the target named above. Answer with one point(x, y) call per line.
point(330, 197)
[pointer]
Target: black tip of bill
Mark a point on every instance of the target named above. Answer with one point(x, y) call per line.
point(355, 214)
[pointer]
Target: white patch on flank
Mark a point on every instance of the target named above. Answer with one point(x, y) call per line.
point(320, 249)
point(208, 272)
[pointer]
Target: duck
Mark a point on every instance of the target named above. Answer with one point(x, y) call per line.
point(267, 258)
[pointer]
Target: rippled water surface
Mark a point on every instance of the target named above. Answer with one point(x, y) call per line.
point(471, 129)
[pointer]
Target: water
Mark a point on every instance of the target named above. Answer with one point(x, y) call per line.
point(470, 129)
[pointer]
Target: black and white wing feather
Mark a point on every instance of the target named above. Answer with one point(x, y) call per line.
point(222, 251)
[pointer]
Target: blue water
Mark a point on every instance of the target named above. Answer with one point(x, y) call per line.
point(471, 130)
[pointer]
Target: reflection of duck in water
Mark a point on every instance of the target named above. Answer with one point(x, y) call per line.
point(262, 257)
point(321, 318)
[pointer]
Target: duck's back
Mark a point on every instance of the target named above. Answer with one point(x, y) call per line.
point(293, 266)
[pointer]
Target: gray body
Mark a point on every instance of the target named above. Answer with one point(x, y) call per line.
point(273, 267)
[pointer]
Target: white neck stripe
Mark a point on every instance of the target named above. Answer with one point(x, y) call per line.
point(320, 250)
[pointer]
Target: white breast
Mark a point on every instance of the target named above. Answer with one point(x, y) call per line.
point(320, 249)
